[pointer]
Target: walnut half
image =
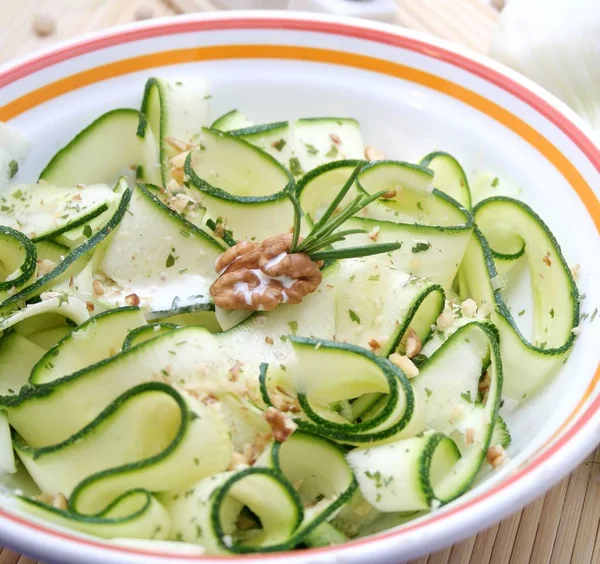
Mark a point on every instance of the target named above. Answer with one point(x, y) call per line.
point(262, 276)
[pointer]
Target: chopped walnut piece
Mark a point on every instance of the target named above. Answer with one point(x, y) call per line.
point(178, 144)
point(575, 271)
point(374, 233)
point(445, 320)
point(44, 266)
point(547, 260)
point(90, 306)
point(413, 344)
point(238, 461)
point(269, 340)
point(374, 344)
point(496, 456)
point(98, 288)
point(470, 436)
point(179, 159)
point(132, 299)
point(484, 386)
point(391, 193)
point(335, 138)
point(260, 277)
point(405, 364)
point(373, 154)
point(283, 401)
point(469, 308)
point(234, 371)
point(281, 427)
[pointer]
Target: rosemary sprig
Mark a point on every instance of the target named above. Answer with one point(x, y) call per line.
point(323, 234)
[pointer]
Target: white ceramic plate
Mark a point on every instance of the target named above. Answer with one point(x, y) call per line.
point(412, 95)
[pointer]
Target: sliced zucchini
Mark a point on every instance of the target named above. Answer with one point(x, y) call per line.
point(160, 434)
point(137, 515)
point(250, 200)
point(449, 177)
point(124, 140)
point(7, 457)
point(44, 211)
point(276, 139)
point(357, 372)
point(324, 535)
point(487, 185)
point(18, 356)
point(426, 252)
point(159, 256)
point(177, 110)
point(210, 513)
point(76, 260)
point(145, 333)
point(409, 196)
point(323, 479)
point(449, 383)
point(317, 188)
point(93, 340)
point(325, 139)
point(51, 251)
point(555, 295)
point(234, 119)
point(38, 414)
point(501, 435)
point(404, 475)
point(18, 256)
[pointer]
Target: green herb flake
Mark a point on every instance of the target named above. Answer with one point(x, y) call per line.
point(311, 149)
point(522, 312)
point(198, 531)
point(293, 325)
point(374, 278)
point(279, 145)
point(552, 313)
point(495, 182)
point(296, 167)
point(351, 279)
point(428, 392)
point(594, 315)
point(283, 338)
point(17, 194)
point(467, 396)
point(420, 206)
point(421, 247)
point(13, 168)
point(170, 261)
point(87, 231)
point(197, 461)
point(184, 233)
point(333, 151)
point(354, 317)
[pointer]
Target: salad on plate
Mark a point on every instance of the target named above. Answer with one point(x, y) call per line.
point(261, 337)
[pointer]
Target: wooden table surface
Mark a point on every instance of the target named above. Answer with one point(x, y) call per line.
point(561, 527)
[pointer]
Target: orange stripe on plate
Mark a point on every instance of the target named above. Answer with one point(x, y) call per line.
point(179, 56)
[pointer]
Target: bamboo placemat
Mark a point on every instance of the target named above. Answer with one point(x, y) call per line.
point(561, 527)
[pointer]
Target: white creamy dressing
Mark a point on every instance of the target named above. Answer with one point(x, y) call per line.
point(183, 291)
point(264, 281)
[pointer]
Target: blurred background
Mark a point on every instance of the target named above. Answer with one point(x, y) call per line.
point(26, 25)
